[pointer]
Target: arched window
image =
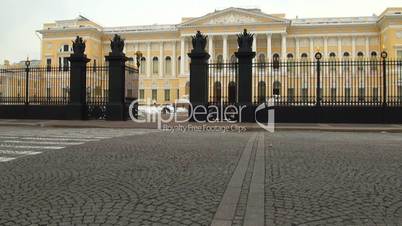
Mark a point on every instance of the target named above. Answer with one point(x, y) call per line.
point(219, 61)
point(360, 56)
point(233, 61)
point(168, 65)
point(217, 92)
point(178, 64)
point(261, 58)
point(275, 61)
point(373, 61)
point(332, 61)
point(277, 88)
point(261, 95)
point(155, 65)
point(304, 56)
point(143, 65)
point(346, 62)
point(261, 62)
point(289, 62)
point(232, 91)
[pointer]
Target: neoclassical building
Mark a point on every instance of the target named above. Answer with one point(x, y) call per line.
point(164, 70)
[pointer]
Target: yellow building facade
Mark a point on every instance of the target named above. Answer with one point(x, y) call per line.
point(164, 70)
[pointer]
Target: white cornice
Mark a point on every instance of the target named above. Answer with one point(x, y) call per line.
point(235, 33)
point(147, 41)
point(72, 38)
point(335, 35)
point(58, 30)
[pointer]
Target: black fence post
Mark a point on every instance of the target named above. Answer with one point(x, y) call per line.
point(245, 57)
point(318, 57)
point(116, 108)
point(27, 64)
point(78, 77)
point(384, 56)
point(198, 77)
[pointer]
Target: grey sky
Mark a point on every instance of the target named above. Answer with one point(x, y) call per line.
point(19, 19)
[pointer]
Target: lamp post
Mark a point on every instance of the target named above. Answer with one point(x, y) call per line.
point(27, 64)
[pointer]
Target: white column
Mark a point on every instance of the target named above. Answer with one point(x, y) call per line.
point(297, 48)
point(311, 48)
point(353, 47)
point(269, 47)
point(283, 45)
point(161, 60)
point(339, 47)
point(255, 44)
point(325, 47)
point(211, 48)
point(367, 47)
point(182, 57)
point(149, 60)
point(174, 59)
point(225, 48)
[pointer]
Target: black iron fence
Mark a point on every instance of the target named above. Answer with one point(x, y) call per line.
point(329, 82)
point(223, 80)
point(37, 85)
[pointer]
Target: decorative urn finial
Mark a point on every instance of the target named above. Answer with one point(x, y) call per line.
point(138, 56)
point(199, 42)
point(79, 46)
point(245, 41)
point(117, 45)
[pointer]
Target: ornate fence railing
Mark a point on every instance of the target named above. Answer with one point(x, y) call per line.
point(330, 82)
point(37, 85)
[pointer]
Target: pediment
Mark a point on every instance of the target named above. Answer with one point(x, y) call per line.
point(233, 16)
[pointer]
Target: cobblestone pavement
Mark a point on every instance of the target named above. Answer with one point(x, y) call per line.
point(317, 178)
point(135, 177)
point(150, 179)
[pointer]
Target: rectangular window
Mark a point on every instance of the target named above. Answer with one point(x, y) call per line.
point(291, 94)
point(65, 64)
point(333, 94)
point(304, 94)
point(142, 94)
point(375, 95)
point(167, 95)
point(361, 94)
point(66, 48)
point(347, 94)
point(48, 64)
point(48, 92)
point(129, 93)
point(155, 95)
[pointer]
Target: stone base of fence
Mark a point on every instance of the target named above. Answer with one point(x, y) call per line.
point(49, 112)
